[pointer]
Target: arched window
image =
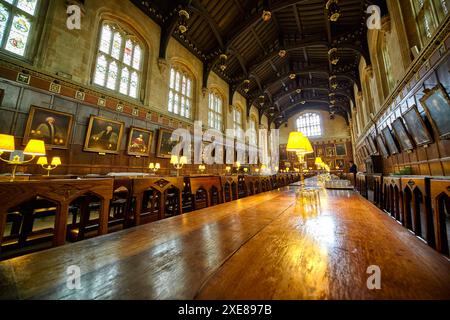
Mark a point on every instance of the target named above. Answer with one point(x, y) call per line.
point(215, 111)
point(310, 125)
point(18, 24)
point(253, 134)
point(237, 118)
point(180, 93)
point(119, 60)
point(429, 14)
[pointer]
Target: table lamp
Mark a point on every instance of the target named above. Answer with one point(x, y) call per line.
point(178, 163)
point(43, 162)
point(154, 167)
point(34, 148)
point(301, 145)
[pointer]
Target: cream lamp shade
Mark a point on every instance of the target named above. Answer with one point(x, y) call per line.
point(299, 143)
point(56, 161)
point(183, 160)
point(151, 166)
point(174, 160)
point(42, 161)
point(157, 166)
point(35, 148)
point(7, 143)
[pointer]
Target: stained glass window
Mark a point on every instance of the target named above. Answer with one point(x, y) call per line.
point(118, 64)
point(310, 125)
point(17, 22)
point(215, 111)
point(180, 93)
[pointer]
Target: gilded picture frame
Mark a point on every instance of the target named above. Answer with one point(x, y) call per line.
point(103, 135)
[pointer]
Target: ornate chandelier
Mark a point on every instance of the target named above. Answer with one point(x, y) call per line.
point(184, 17)
point(333, 56)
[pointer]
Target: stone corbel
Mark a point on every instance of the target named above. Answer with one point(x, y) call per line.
point(204, 91)
point(162, 66)
point(359, 95)
point(369, 71)
point(386, 24)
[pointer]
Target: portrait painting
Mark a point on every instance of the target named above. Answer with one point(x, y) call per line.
point(103, 135)
point(390, 142)
point(371, 144)
point(437, 107)
point(341, 149)
point(53, 127)
point(382, 147)
point(416, 127)
point(165, 144)
point(330, 151)
point(319, 151)
point(340, 164)
point(402, 135)
point(139, 142)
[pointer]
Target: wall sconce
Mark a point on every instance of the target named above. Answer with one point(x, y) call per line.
point(184, 17)
point(43, 162)
point(228, 169)
point(154, 167)
point(277, 169)
point(245, 170)
point(266, 15)
point(34, 148)
point(333, 56)
point(202, 168)
point(257, 171)
point(334, 12)
point(178, 163)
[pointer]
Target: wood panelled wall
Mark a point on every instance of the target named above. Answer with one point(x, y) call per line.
point(14, 112)
point(434, 159)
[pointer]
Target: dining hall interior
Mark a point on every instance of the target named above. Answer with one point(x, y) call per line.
point(224, 150)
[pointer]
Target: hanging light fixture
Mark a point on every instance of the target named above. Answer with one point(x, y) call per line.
point(298, 90)
point(292, 76)
point(266, 15)
point(333, 56)
point(334, 12)
point(282, 53)
point(333, 82)
point(246, 86)
point(332, 98)
point(223, 62)
point(184, 17)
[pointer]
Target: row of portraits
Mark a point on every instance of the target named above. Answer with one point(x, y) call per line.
point(410, 130)
point(103, 135)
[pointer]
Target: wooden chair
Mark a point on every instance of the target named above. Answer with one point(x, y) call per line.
point(156, 198)
point(362, 184)
point(60, 193)
point(188, 202)
point(440, 202)
point(229, 188)
point(393, 203)
point(207, 191)
point(121, 203)
point(378, 189)
point(417, 214)
point(242, 187)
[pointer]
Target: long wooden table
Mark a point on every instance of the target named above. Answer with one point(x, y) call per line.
point(262, 247)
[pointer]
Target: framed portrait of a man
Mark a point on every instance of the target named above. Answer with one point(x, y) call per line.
point(382, 147)
point(402, 135)
point(437, 107)
point(139, 142)
point(165, 144)
point(330, 151)
point(103, 135)
point(53, 127)
point(341, 149)
point(390, 142)
point(416, 127)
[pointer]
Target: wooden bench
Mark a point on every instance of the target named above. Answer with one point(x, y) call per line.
point(60, 193)
point(440, 203)
point(229, 188)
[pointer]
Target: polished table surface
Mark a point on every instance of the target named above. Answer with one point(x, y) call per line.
point(266, 246)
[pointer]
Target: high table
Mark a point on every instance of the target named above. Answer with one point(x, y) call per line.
point(262, 247)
